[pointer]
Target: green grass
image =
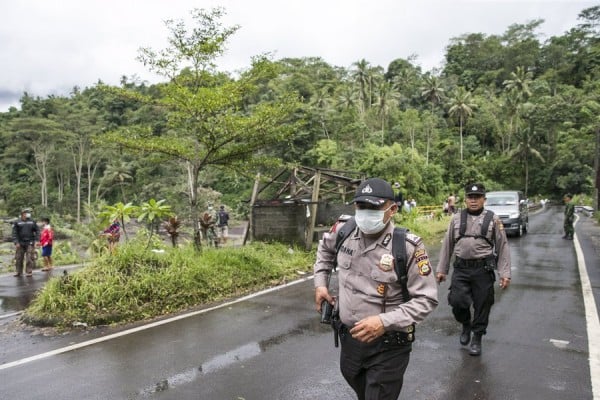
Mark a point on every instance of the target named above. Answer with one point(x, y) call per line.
point(137, 284)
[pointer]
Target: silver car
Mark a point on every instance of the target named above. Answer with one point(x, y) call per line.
point(511, 207)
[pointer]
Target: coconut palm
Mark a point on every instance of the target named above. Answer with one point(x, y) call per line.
point(387, 100)
point(519, 83)
point(461, 107)
point(432, 91)
point(361, 76)
point(118, 173)
point(524, 150)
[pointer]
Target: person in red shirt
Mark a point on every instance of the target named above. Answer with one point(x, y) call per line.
point(46, 239)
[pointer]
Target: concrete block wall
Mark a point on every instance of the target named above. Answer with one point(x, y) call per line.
point(287, 223)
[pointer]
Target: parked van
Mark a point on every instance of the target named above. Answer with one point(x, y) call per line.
point(511, 207)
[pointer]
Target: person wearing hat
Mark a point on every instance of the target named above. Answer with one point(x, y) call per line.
point(25, 234)
point(479, 248)
point(569, 217)
point(377, 322)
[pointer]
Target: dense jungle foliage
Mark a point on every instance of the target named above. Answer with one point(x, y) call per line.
point(512, 110)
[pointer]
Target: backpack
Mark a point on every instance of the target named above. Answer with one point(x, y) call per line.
point(398, 249)
point(489, 215)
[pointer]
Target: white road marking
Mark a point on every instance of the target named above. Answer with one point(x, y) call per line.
point(143, 327)
point(592, 322)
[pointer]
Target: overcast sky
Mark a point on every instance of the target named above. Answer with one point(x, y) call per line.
point(49, 46)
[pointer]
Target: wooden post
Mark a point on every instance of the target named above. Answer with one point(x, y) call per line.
point(313, 210)
point(252, 200)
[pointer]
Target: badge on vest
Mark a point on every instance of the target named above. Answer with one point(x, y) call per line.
point(386, 263)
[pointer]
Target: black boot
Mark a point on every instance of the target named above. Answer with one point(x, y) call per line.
point(569, 237)
point(475, 349)
point(465, 336)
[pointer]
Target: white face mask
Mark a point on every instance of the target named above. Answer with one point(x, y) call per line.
point(27, 215)
point(371, 221)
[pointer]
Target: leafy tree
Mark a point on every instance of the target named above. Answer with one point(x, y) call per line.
point(209, 121)
point(37, 137)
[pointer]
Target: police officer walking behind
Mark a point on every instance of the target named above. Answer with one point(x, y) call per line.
point(25, 234)
point(377, 310)
point(477, 240)
point(569, 217)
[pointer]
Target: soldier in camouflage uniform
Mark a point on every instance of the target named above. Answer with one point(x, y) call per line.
point(569, 217)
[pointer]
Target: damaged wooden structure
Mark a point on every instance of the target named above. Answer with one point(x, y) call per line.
point(297, 205)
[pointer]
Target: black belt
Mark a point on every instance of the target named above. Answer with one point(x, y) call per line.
point(470, 263)
point(399, 337)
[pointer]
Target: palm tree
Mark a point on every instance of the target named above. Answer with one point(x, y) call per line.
point(433, 92)
point(511, 106)
point(517, 93)
point(462, 108)
point(118, 173)
point(519, 83)
point(321, 103)
point(525, 150)
point(387, 100)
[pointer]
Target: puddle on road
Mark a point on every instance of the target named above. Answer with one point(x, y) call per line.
point(225, 360)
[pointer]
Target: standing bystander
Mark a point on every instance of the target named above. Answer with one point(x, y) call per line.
point(25, 234)
point(223, 224)
point(46, 240)
point(451, 203)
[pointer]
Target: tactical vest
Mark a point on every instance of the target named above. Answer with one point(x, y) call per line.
point(489, 215)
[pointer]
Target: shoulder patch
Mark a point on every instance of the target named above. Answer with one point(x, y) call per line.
point(413, 239)
point(334, 227)
point(424, 268)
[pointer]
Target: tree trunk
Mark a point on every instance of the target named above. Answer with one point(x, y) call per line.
point(193, 172)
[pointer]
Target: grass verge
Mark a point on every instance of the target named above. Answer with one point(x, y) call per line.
point(137, 284)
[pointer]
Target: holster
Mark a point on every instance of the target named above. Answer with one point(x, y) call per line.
point(336, 325)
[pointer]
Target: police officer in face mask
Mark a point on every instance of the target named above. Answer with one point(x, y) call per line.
point(26, 234)
point(376, 320)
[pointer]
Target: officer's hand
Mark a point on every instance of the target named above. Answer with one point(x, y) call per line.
point(368, 329)
point(440, 277)
point(322, 294)
point(504, 283)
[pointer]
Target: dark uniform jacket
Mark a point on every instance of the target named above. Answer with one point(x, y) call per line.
point(25, 232)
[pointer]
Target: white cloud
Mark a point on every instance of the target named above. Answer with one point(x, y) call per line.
point(50, 46)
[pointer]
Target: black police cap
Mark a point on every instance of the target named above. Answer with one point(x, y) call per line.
point(374, 191)
point(475, 188)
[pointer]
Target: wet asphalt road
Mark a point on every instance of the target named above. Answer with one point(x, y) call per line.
point(271, 346)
